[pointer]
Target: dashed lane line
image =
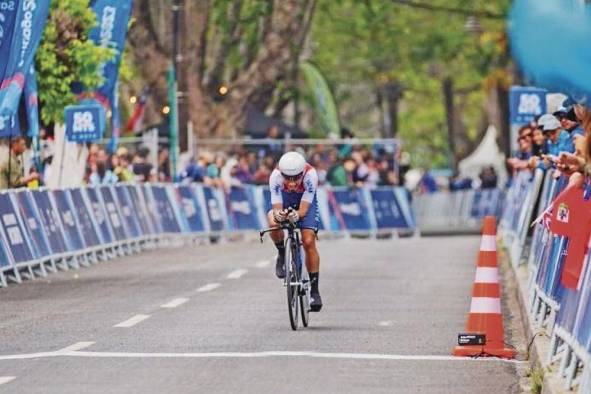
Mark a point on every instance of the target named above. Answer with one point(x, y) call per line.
point(132, 321)
point(75, 347)
point(6, 379)
point(174, 303)
point(237, 274)
point(208, 287)
point(262, 263)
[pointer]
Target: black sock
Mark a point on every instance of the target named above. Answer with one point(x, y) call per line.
point(280, 248)
point(314, 281)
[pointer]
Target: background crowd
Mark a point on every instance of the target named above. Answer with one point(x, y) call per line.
point(558, 142)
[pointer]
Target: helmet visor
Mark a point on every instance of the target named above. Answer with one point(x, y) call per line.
point(293, 178)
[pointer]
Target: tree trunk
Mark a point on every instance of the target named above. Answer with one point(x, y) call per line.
point(448, 101)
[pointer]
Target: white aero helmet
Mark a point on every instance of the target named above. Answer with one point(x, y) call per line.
point(292, 164)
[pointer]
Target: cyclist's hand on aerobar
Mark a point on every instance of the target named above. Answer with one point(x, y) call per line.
point(279, 215)
point(293, 216)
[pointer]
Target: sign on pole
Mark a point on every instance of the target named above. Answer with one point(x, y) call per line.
point(85, 123)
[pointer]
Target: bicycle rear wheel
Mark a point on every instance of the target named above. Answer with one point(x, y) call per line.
point(292, 284)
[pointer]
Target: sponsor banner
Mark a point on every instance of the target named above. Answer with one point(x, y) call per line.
point(191, 208)
point(387, 209)
point(14, 230)
point(525, 104)
point(241, 208)
point(62, 205)
point(84, 123)
point(8, 11)
point(38, 240)
point(84, 218)
point(165, 210)
point(99, 214)
point(113, 214)
point(140, 208)
point(32, 102)
point(6, 259)
point(215, 209)
point(148, 198)
point(353, 209)
point(28, 26)
point(50, 221)
point(128, 214)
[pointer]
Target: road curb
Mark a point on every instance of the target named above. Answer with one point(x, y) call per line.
point(538, 340)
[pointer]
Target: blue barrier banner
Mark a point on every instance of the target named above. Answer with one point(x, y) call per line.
point(6, 260)
point(164, 210)
point(113, 214)
point(148, 197)
point(387, 210)
point(14, 230)
point(191, 208)
point(50, 221)
point(242, 209)
point(130, 219)
point(88, 226)
point(69, 224)
point(215, 210)
point(99, 214)
point(84, 123)
point(29, 24)
point(352, 208)
point(139, 206)
point(32, 221)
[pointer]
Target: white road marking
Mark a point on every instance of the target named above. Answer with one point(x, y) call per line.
point(208, 287)
point(237, 274)
point(6, 379)
point(132, 321)
point(385, 323)
point(174, 303)
point(262, 263)
point(75, 347)
point(347, 356)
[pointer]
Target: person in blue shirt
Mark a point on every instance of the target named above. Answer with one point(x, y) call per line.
point(558, 140)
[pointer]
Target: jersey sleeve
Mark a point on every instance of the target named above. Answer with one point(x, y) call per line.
point(310, 185)
point(275, 185)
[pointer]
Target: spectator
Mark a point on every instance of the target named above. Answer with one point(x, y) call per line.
point(558, 140)
point(123, 170)
point(488, 178)
point(521, 159)
point(164, 165)
point(102, 175)
point(11, 168)
point(538, 142)
point(143, 170)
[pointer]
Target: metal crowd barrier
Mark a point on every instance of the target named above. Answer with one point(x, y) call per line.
point(563, 312)
point(43, 231)
point(456, 212)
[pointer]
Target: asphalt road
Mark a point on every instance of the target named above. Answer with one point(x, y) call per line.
point(213, 319)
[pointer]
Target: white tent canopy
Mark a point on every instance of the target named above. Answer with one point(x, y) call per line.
point(486, 154)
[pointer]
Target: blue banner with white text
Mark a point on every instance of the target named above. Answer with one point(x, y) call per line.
point(29, 23)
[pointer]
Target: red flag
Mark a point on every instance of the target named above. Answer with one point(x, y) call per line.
point(571, 217)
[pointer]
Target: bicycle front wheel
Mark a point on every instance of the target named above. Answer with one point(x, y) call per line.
point(291, 276)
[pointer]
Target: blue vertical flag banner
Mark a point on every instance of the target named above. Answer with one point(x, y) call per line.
point(28, 25)
point(32, 102)
point(111, 32)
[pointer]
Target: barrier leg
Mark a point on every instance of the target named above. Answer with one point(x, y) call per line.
point(2, 280)
point(51, 265)
point(40, 271)
point(74, 263)
point(585, 385)
point(566, 359)
point(15, 277)
point(571, 372)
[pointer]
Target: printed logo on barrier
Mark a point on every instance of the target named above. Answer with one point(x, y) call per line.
point(214, 211)
point(68, 218)
point(98, 212)
point(562, 214)
point(242, 207)
point(11, 225)
point(352, 209)
point(189, 207)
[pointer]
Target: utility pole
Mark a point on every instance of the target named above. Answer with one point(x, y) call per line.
point(448, 101)
point(180, 72)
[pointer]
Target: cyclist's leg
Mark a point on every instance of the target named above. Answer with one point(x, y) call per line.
point(277, 237)
point(312, 256)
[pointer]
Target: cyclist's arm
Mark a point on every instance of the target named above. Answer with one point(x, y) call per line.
point(310, 186)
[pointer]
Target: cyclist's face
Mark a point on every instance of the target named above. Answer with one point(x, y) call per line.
point(293, 182)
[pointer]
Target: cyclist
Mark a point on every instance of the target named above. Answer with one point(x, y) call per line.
point(293, 184)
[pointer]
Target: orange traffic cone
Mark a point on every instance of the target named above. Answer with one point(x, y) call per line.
point(485, 315)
